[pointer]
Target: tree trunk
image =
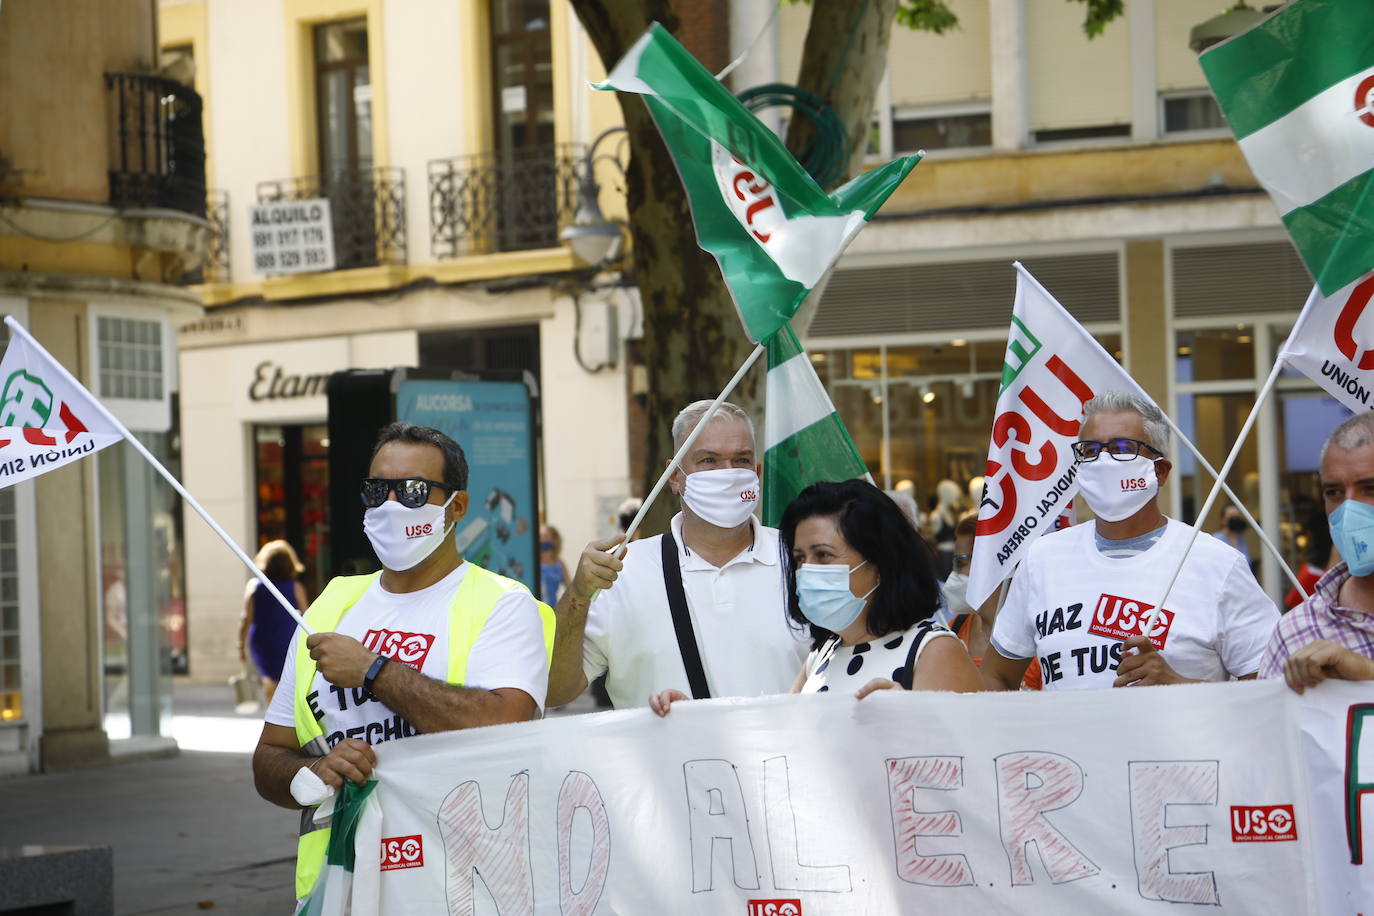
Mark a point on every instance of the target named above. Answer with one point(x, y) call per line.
point(693, 339)
point(843, 62)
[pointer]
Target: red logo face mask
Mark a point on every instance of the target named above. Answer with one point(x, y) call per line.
point(1117, 489)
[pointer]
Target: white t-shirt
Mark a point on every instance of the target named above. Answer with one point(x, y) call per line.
point(738, 612)
point(1071, 608)
point(412, 628)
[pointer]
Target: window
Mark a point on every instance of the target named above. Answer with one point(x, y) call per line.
point(130, 358)
point(1188, 112)
point(914, 130)
point(293, 495)
point(344, 96)
point(1096, 132)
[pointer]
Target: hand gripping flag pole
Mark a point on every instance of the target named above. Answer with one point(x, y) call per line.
point(18, 329)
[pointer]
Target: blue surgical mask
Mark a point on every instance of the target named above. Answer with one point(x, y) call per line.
point(824, 595)
point(1352, 530)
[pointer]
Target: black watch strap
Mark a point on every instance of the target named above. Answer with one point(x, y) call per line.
point(373, 671)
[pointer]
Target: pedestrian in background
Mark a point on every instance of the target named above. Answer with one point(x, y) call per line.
point(553, 575)
point(265, 629)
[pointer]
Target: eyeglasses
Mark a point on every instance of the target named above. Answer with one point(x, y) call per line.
point(962, 559)
point(411, 492)
point(1120, 449)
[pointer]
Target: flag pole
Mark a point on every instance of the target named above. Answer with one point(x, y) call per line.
point(687, 444)
point(19, 329)
point(1216, 488)
point(1226, 488)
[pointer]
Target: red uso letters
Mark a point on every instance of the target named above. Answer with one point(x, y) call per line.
point(1122, 618)
point(407, 648)
point(1263, 824)
point(775, 908)
point(403, 852)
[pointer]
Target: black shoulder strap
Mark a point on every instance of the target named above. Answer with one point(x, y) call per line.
point(682, 620)
point(909, 671)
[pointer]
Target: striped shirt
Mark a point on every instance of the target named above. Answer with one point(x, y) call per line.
point(1319, 617)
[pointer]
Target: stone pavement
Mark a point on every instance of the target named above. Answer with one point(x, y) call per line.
point(189, 832)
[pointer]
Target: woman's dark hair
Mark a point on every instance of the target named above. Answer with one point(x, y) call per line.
point(455, 462)
point(878, 530)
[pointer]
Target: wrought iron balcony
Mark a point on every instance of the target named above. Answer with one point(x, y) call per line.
point(367, 212)
point(158, 148)
point(216, 266)
point(506, 201)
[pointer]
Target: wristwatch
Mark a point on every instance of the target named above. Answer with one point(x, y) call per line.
point(372, 672)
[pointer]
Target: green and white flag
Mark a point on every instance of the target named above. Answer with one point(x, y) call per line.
point(804, 437)
point(1298, 90)
point(771, 228)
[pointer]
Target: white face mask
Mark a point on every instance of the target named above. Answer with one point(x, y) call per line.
point(725, 497)
point(403, 537)
point(956, 593)
point(1117, 489)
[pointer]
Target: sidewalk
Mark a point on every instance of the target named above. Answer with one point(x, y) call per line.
point(189, 832)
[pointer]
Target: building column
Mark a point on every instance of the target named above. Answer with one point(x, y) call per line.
point(1010, 74)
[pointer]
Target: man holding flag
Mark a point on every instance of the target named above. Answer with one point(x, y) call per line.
point(1078, 601)
point(699, 609)
point(431, 643)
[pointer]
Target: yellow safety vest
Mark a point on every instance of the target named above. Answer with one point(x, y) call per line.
point(473, 603)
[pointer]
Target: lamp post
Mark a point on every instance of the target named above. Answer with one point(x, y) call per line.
point(593, 238)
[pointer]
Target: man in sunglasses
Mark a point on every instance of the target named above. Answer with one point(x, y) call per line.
point(700, 609)
point(1078, 604)
point(431, 643)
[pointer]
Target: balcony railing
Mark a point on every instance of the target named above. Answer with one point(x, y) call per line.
point(507, 201)
point(367, 211)
point(158, 149)
point(216, 266)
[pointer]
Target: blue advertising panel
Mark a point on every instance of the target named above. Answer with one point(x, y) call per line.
point(493, 422)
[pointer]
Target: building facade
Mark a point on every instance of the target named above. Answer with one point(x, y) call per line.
point(102, 215)
point(450, 139)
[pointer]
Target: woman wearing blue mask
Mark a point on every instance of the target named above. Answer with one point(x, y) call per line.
point(864, 581)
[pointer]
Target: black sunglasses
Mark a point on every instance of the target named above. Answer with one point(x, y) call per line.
point(1121, 449)
point(411, 492)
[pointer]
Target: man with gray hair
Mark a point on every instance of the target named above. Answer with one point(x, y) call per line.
point(699, 609)
point(1079, 601)
point(1331, 634)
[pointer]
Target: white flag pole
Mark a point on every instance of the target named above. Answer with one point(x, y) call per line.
point(1216, 488)
point(687, 444)
point(1226, 488)
point(17, 328)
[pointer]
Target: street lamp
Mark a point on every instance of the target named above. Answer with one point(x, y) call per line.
point(593, 238)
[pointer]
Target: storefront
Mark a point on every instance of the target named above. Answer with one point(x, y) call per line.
point(911, 352)
point(256, 446)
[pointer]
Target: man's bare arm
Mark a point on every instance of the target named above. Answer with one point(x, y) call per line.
point(1001, 673)
point(596, 570)
point(278, 758)
point(430, 705)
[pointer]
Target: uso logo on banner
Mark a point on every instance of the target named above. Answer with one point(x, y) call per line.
point(1263, 824)
point(402, 852)
point(775, 908)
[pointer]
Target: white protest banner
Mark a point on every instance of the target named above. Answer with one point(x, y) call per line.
point(292, 236)
point(904, 802)
point(1333, 343)
point(1051, 369)
point(45, 421)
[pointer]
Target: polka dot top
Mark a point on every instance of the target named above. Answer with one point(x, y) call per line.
point(847, 668)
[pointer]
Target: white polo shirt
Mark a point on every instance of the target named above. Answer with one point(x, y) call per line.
point(748, 645)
